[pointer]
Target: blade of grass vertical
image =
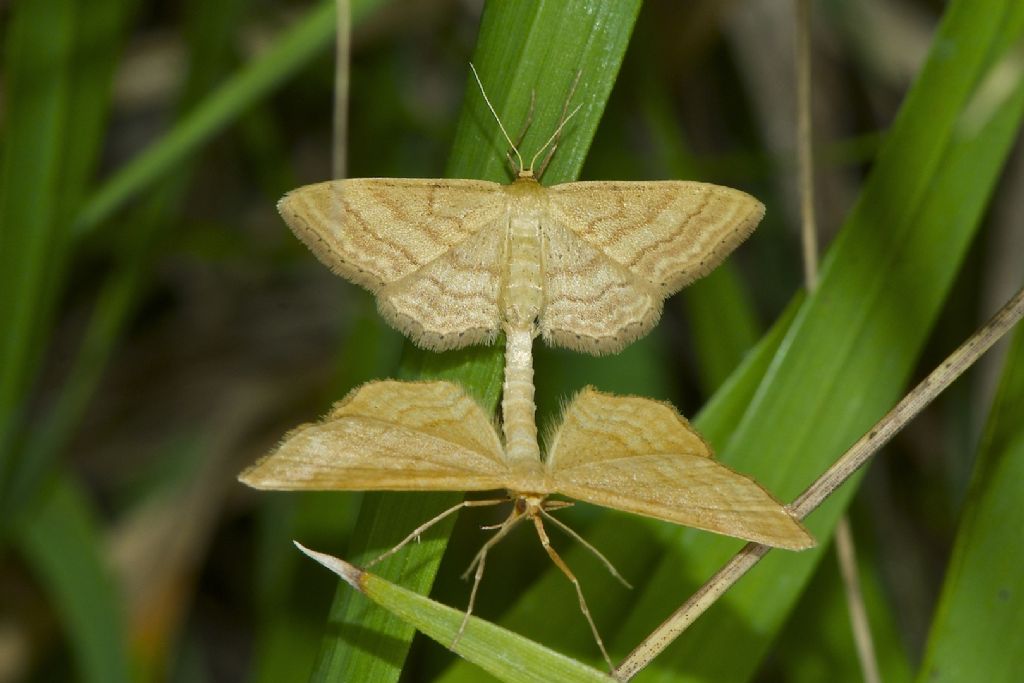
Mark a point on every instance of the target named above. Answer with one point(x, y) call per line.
point(854, 341)
point(111, 309)
point(60, 60)
point(117, 297)
point(640, 367)
point(97, 36)
point(100, 34)
point(978, 629)
point(522, 47)
point(208, 30)
point(38, 57)
point(62, 544)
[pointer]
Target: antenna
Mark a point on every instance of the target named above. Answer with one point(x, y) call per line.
point(495, 114)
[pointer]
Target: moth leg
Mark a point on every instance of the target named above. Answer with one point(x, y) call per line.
point(503, 530)
point(557, 559)
point(431, 522)
point(529, 118)
point(582, 541)
point(561, 121)
point(478, 563)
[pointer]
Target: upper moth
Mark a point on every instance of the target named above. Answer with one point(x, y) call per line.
point(586, 265)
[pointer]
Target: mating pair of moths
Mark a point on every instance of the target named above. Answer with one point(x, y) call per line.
point(585, 265)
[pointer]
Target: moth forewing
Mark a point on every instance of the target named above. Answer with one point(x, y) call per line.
point(377, 230)
point(428, 250)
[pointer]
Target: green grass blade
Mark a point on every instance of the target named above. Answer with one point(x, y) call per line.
point(723, 325)
point(522, 47)
point(210, 29)
point(978, 629)
point(817, 642)
point(40, 47)
point(296, 47)
point(210, 33)
point(100, 33)
point(501, 653)
point(63, 546)
point(64, 103)
point(548, 611)
point(882, 285)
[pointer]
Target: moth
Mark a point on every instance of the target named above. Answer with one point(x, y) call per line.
point(623, 452)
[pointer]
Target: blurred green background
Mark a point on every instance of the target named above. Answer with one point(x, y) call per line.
point(160, 327)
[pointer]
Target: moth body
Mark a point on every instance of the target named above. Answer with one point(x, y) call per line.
point(522, 296)
point(517, 405)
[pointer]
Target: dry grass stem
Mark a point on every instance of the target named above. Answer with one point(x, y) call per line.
point(845, 550)
point(805, 145)
point(343, 41)
point(846, 554)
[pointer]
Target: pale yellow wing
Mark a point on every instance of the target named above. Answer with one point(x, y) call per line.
point(641, 456)
point(401, 436)
point(373, 231)
point(452, 301)
point(591, 303)
point(667, 233)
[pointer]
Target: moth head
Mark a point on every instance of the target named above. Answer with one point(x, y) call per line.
point(525, 171)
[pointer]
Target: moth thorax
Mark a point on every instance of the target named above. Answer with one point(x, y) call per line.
point(522, 291)
point(528, 504)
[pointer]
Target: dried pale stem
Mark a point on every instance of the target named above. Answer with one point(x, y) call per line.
point(833, 478)
point(804, 136)
point(565, 117)
point(553, 141)
point(846, 556)
point(341, 82)
point(846, 553)
point(923, 394)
